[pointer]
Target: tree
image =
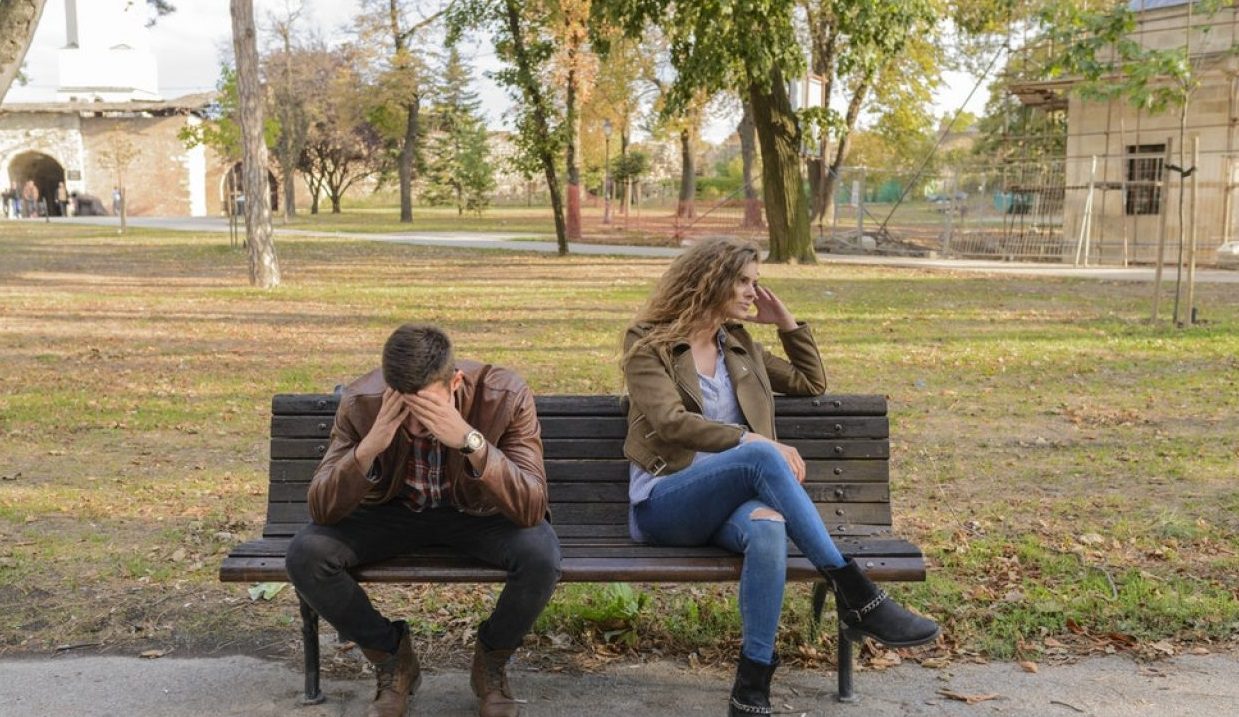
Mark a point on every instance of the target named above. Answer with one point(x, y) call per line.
point(859, 49)
point(748, 155)
point(287, 103)
point(342, 145)
point(459, 170)
point(578, 66)
point(403, 83)
point(751, 47)
point(264, 266)
point(18, 21)
point(117, 154)
point(519, 33)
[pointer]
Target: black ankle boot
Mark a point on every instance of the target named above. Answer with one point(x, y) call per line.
point(750, 695)
point(866, 611)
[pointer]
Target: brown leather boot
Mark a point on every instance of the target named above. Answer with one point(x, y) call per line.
point(489, 680)
point(398, 676)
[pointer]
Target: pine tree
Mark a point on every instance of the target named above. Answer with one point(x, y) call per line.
point(459, 170)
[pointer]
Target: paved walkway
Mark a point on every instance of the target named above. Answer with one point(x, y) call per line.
point(521, 242)
point(1190, 686)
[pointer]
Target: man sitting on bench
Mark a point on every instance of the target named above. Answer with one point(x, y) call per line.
point(428, 450)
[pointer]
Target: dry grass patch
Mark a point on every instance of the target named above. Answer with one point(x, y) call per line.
point(1069, 468)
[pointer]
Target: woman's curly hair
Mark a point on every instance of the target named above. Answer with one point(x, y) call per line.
point(694, 292)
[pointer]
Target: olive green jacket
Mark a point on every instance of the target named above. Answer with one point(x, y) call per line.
point(665, 425)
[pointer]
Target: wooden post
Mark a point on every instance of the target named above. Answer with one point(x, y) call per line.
point(1086, 223)
point(1190, 306)
point(1123, 174)
point(1161, 231)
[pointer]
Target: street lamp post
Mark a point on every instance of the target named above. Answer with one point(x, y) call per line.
point(606, 172)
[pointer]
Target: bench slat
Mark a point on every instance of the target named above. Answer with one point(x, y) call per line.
point(293, 470)
point(556, 448)
point(578, 569)
point(617, 513)
point(838, 530)
point(617, 492)
point(617, 427)
point(827, 405)
point(621, 547)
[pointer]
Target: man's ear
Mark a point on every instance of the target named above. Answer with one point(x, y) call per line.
point(457, 379)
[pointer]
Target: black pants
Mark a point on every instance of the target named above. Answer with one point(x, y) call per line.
point(320, 557)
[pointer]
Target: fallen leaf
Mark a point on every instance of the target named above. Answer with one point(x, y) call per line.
point(969, 699)
point(1029, 666)
point(266, 591)
point(152, 654)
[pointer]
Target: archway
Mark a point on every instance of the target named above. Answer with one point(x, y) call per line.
point(230, 190)
point(43, 170)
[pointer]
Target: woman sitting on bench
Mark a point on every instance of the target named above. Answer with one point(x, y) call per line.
point(706, 467)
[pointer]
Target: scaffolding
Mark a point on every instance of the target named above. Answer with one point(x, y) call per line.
point(1104, 182)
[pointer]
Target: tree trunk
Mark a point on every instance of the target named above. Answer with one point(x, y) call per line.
point(830, 182)
point(18, 21)
point(573, 161)
point(532, 89)
point(407, 152)
point(748, 155)
point(627, 180)
point(688, 176)
point(787, 210)
point(263, 265)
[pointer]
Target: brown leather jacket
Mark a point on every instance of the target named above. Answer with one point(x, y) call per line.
point(665, 425)
point(493, 400)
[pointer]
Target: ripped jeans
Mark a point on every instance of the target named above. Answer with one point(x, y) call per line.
point(720, 500)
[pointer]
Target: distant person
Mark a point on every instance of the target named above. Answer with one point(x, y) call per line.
point(30, 199)
point(706, 466)
point(116, 201)
point(428, 450)
point(62, 200)
point(8, 198)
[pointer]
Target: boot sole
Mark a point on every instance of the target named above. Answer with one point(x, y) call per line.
point(857, 635)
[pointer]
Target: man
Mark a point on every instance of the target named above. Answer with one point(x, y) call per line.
point(429, 450)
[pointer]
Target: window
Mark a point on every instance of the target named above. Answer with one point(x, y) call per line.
point(1144, 179)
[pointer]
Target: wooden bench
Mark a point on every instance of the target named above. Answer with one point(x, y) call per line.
point(843, 439)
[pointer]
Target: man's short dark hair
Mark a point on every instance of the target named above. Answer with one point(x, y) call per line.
point(415, 356)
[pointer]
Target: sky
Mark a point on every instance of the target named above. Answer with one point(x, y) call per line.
point(189, 44)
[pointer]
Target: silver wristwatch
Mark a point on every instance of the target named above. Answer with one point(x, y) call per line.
point(474, 440)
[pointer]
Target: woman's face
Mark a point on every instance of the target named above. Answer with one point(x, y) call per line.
point(744, 293)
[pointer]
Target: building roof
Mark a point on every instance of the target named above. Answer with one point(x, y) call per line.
point(1142, 5)
point(180, 105)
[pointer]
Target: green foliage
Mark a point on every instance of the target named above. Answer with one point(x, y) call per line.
point(1097, 46)
point(459, 170)
point(712, 43)
point(615, 612)
point(222, 132)
point(630, 166)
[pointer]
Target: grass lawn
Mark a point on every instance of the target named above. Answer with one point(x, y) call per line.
point(1069, 469)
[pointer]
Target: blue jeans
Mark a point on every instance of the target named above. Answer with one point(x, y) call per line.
point(713, 502)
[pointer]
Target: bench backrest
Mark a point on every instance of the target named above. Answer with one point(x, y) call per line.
point(844, 440)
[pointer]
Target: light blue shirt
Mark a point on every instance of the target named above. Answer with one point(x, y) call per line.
point(718, 404)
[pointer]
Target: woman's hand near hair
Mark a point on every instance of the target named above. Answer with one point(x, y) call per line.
point(791, 455)
point(772, 310)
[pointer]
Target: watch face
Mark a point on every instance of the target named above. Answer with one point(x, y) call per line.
point(474, 441)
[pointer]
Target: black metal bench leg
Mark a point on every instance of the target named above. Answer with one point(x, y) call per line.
point(846, 692)
point(309, 638)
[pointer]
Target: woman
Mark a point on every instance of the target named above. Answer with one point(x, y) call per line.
point(705, 464)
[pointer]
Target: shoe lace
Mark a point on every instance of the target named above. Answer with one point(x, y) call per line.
point(497, 675)
point(386, 678)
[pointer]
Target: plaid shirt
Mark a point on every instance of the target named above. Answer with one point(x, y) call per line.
point(423, 476)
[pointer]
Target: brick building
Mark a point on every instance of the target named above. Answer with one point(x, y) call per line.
point(107, 99)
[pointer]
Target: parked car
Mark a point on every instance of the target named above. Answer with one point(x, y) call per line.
point(1228, 254)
